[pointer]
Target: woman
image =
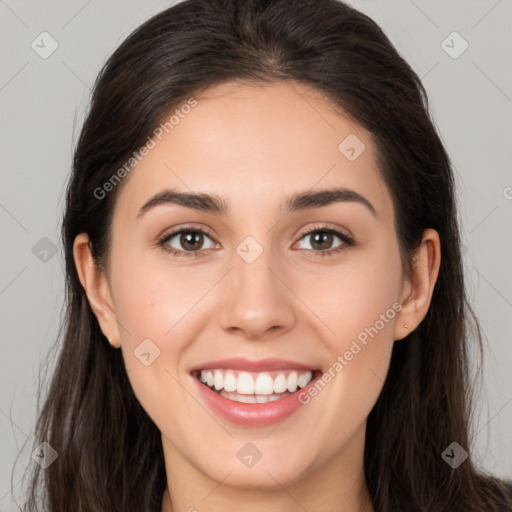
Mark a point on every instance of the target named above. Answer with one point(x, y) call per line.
point(255, 221)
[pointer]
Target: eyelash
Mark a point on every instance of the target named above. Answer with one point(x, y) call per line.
point(347, 241)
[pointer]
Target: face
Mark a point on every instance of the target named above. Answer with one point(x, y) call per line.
point(250, 301)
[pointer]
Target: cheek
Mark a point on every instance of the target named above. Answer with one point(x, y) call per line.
point(360, 308)
point(161, 302)
point(149, 304)
point(356, 295)
point(154, 310)
point(153, 295)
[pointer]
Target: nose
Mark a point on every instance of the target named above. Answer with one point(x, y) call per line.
point(258, 301)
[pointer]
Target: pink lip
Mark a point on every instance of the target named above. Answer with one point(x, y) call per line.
point(264, 365)
point(253, 415)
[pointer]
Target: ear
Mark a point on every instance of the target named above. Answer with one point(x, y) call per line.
point(417, 291)
point(97, 288)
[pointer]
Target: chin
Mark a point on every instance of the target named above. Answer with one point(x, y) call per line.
point(268, 470)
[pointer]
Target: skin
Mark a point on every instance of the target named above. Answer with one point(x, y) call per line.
point(255, 145)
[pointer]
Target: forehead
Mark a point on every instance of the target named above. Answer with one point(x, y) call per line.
point(255, 145)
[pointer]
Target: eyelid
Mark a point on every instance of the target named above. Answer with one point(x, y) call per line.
point(187, 227)
point(347, 239)
point(326, 227)
point(170, 233)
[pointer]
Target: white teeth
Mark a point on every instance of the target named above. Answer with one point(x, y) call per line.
point(245, 384)
point(247, 399)
point(229, 382)
point(280, 383)
point(255, 384)
point(264, 384)
point(218, 380)
point(291, 383)
point(252, 399)
point(304, 379)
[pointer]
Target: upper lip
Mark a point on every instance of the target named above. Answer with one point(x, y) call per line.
point(262, 365)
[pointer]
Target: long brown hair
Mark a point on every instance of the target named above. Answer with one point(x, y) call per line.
point(109, 451)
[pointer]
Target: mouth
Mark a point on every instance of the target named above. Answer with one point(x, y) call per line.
point(255, 387)
point(251, 393)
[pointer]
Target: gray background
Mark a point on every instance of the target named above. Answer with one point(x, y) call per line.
point(42, 103)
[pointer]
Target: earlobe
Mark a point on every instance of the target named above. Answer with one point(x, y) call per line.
point(420, 287)
point(96, 287)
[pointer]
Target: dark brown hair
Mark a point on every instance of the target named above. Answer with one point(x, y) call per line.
point(110, 452)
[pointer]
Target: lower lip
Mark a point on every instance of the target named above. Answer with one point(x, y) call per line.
point(253, 415)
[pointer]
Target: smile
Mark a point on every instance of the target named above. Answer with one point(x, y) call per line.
point(252, 393)
point(254, 387)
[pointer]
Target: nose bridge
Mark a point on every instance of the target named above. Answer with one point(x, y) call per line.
point(256, 299)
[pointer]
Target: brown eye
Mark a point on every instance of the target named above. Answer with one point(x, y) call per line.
point(321, 240)
point(191, 240)
point(185, 241)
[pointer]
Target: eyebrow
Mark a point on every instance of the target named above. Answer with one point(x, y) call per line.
point(217, 205)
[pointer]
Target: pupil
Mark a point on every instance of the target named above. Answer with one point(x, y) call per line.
point(327, 240)
point(188, 236)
